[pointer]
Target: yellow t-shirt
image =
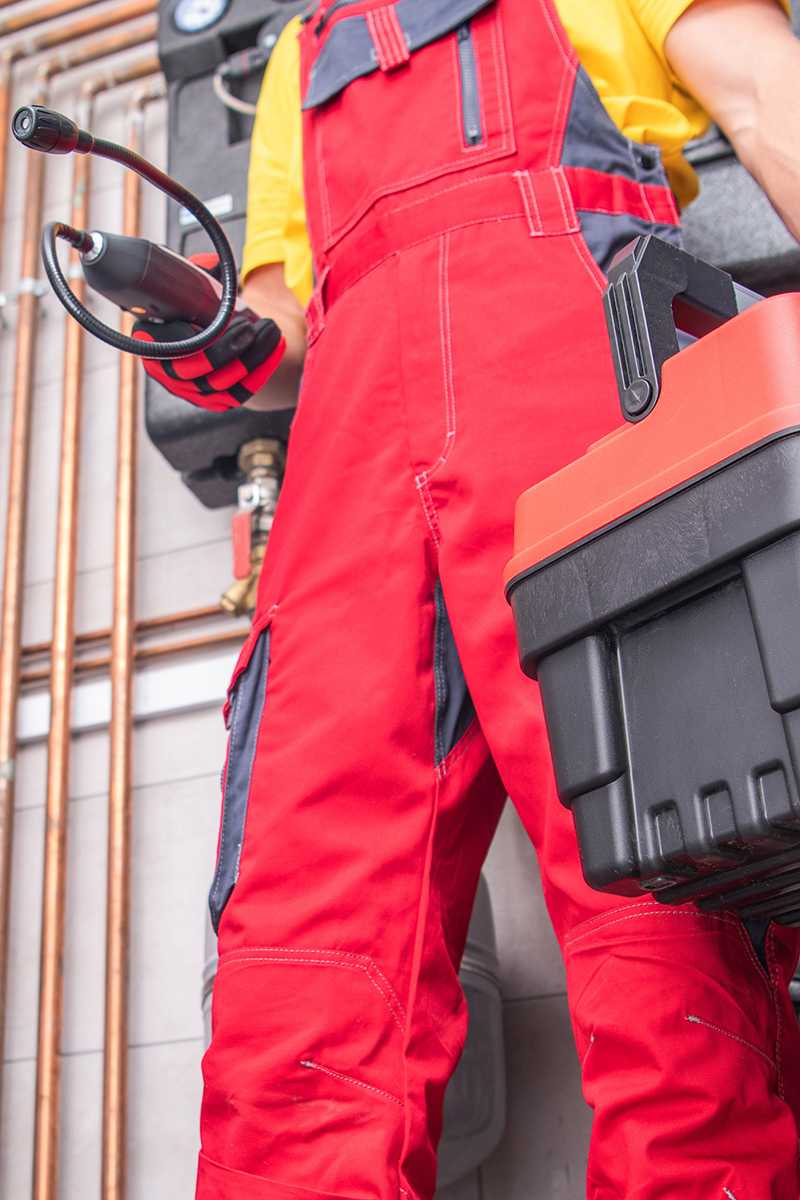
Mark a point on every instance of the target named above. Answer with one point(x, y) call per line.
point(620, 44)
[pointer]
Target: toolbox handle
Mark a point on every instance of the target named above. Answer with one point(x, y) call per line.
point(654, 289)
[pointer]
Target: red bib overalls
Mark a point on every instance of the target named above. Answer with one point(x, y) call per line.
point(464, 189)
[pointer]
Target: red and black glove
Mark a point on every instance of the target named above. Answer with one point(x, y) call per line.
point(229, 371)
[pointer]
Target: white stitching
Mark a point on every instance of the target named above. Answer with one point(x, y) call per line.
point(646, 201)
point(667, 912)
point(534, 200)
point(610, 912)
point(327, 217)
point(454, 187)
point(233, 740)
point(565, 91)
point(369, 963)
point(446, 345)
point(545, 7)
point(590, 266)
point(325, 962)
point(567, 202)
point(428, 509)
point(589, 1050)
point(501, 71)
point(555, 176)
point(729, 1193)
point(748, 945)
point(498, 217)
point(366, 202)
point(520, 178)
point(314, 1066)
point(396, 34)
point(695, 1020)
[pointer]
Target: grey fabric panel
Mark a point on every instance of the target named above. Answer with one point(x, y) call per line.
point(757, 929)
point(607, 233)
point(454, 707)
point(247, 707)
point(593, 140)
point(424, 21)
point(349, 53)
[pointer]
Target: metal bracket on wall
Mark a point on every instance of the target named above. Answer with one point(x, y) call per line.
point(25, 287)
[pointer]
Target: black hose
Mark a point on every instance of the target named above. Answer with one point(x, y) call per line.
point(176, 191)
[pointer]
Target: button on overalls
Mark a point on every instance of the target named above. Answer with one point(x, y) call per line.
point(465, 188)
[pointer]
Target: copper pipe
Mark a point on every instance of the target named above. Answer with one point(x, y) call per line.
point(88, 666)
point(13, 577)
point(91, 51)
point(51, 997)
point(141, 628)
point(115, 1062)
point(26, 47)
point(51, 985)
point(105, 18)
point(37, 16)
point(45, 1165)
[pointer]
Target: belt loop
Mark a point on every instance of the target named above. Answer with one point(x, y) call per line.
point(388, 38)
point(529, 203)
point(547, 201)
point(315, 312)
point(571, 222)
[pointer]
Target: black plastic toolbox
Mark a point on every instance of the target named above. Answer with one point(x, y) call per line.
point(656, 594)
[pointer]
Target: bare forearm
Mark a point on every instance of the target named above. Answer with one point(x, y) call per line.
point(267, 294)
point(742, 62)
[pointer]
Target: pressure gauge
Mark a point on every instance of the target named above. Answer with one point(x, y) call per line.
point(193, 16)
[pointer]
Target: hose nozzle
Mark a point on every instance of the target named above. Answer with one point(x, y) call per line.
point(41, 128)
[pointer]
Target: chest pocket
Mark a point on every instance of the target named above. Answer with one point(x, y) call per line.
point(401, 94)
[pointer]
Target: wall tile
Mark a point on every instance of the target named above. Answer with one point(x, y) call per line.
point(81, 1127)
point(530, 961)
point(543, 1153)
point(16, 1130)
point(174, 842)
point(22, 999)
point(163, 1140)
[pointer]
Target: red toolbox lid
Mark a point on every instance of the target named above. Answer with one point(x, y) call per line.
point(731, 390)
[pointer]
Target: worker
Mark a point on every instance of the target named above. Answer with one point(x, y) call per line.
point(466, 171)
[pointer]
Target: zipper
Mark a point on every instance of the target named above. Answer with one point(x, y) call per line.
point(326, 16)
point(470, 91)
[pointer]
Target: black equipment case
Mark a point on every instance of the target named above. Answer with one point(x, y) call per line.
point(656, 593)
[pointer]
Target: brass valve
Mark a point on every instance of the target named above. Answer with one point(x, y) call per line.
point(261, 461)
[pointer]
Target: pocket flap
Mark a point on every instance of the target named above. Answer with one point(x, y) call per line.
point(349, 52)
point(245, 654)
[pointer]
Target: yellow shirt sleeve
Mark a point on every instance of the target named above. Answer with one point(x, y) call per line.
point(276, 219)
point(657, 17)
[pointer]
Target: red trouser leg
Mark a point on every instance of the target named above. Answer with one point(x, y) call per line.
point(337, 1012)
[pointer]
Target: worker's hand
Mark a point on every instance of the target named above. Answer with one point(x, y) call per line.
point(741, 60)
point(227, 373)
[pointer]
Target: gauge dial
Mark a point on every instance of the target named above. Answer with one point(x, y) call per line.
point(193, 16)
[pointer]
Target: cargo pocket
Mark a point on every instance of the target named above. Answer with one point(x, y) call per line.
point(243, 711)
